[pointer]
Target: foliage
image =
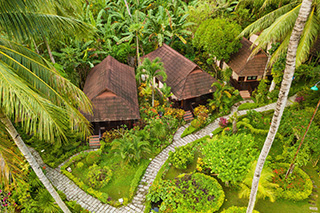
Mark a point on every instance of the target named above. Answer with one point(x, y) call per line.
point(218, 37)
point(223, 98)
point(237, 209)
point(230, 156)
point(55, 154)
point(298, 186)
point(261, 93)
point(175, 113)
point(182, 157)
point(99, 176)
point(93, 158)
point(151, 70)
point(266, 187)
point(189, 192)
point(131, 148)
point(191, 129)
point(80, 165)
point(293, 127)
point(306, 72)
point(245, 106)
point(195, 123)
point(109, 136)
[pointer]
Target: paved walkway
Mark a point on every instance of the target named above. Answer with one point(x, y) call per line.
point(73, 192)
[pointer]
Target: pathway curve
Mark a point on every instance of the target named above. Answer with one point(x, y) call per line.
point(73, 192)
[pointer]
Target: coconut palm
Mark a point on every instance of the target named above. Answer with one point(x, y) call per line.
point(305, 11)
point(278, 26)
point(265, 189)
point(151, 69)
point(31, 91)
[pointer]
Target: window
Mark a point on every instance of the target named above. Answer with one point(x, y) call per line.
point(241, 79)
point(252, 78)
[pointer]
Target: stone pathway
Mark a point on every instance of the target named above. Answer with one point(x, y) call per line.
point(73, 192)
point(313, 198)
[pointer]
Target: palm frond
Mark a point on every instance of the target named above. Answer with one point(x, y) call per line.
point(38, 115)
point(27, 25)
point(35, 70)
point(309, 35)
point(282, 49)
point(267, 20)
point(277, 31)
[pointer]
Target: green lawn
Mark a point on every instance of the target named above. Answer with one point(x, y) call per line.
point(123, 174)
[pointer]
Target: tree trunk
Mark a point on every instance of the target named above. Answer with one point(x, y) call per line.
point(32, 162)
point(272, 86)
point(152, 92)
point(266, 67)
point(49, 50)
point(282, 99)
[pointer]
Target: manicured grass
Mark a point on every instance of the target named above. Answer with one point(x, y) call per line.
point(123, 174)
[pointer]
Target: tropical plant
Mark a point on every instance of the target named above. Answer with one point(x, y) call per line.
point(305, 10)
point(230, 156)
point(130, 148)
point(188, 193)
point(31, 90)
point(151, 70)
point(266, 187)
point(182, 157)
point(223, 97)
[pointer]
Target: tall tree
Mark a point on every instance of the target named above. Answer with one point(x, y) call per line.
point(31, 91)
point(303, 15)
point(151, 70)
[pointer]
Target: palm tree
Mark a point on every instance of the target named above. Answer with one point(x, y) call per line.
point(297, 31)
point(278, 26)
point(151, 69)
point(31, 91)
point(265, 189)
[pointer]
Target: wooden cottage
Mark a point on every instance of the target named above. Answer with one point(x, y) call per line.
point(189, 84)
point(111, 86)
point(247, 72)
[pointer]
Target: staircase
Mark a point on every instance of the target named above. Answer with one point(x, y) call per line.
point(188, 116)
point(94, 141)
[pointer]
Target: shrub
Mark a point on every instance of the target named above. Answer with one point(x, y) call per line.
point(99, 176)
point(93, 157)
point(182, 157)
point(188, 193)
point(201, 110)
point(80, 165)
point(297, 187)
point(237, 209)
point(196, 123)
point(223, 122)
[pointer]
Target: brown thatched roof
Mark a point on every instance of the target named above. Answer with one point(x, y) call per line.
point(240, 64)
point(184, 77)
point(111, 86)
